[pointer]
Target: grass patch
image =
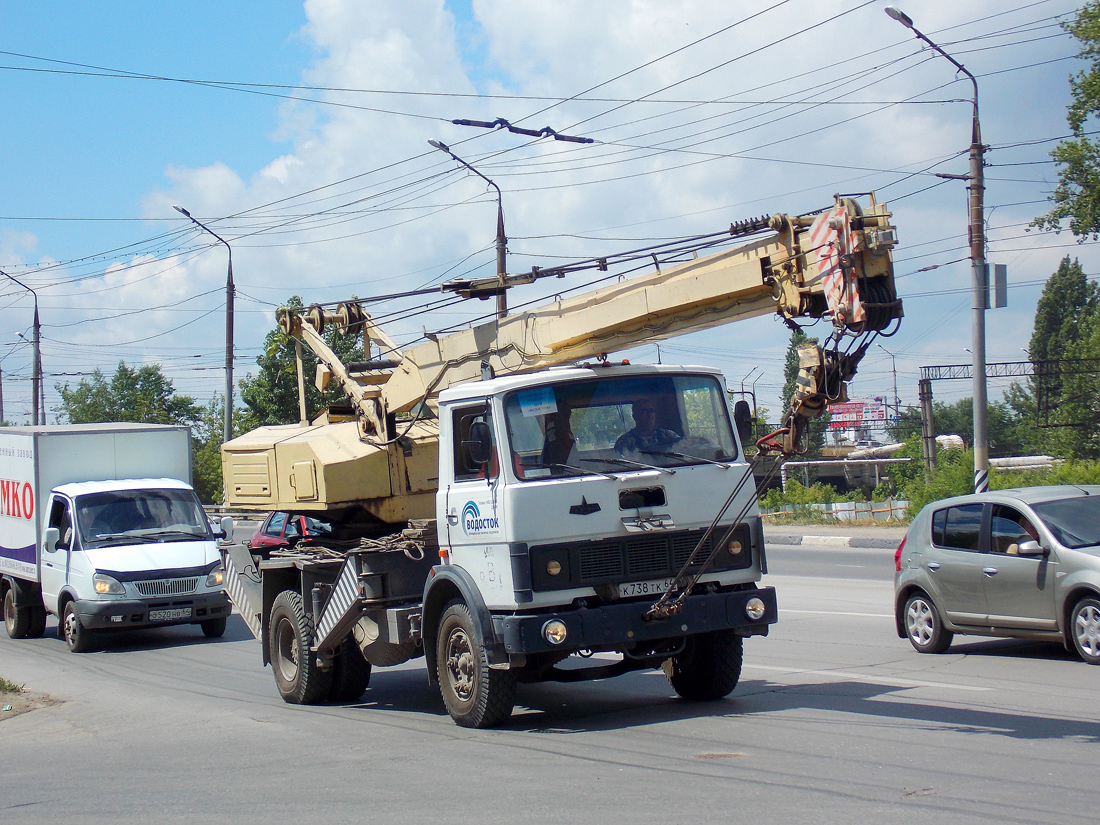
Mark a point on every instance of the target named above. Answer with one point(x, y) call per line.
point(9, 687)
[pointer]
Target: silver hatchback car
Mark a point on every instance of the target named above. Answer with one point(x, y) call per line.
point(1022, 563)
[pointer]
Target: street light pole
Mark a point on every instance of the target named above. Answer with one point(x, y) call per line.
point(502, 240)
point(36, 367)
point(894, 369)
point(977, 265)
point(230, 292)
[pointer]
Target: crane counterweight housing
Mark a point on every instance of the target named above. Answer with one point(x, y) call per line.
point(494, 504)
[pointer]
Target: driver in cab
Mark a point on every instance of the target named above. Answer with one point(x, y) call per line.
point(645, 435)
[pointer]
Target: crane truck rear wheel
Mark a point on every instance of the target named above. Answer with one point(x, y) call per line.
point(79, 638)
point(476, 696)
point(290, 636)
point(350, 673)
point(709, 666)
point(17, 620)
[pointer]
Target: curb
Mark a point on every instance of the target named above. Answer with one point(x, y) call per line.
point(834, 541)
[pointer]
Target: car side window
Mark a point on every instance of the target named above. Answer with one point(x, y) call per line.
point(275, 526)
point(294, 527)
point(1009, 528)
point(62, 520)
point(958, 528)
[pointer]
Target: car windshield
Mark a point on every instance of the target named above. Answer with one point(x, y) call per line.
point(140, 516)
point(618, 424)
point(1075, 522)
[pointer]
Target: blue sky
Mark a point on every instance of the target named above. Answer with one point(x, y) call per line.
point(91, 165)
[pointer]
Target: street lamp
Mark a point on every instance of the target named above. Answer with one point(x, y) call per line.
point(230, 291)
point(977, 265)
point(37, 403)
point(502, 241)
point(894, 368)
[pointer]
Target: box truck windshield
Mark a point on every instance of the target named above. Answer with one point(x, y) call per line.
point(139, 516)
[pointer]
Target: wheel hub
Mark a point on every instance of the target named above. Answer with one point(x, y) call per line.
point(1087, 627)
point(286, 649)
point(919, 622)
point(460, 665)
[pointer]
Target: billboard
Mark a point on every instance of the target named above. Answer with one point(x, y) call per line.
point(854, 414)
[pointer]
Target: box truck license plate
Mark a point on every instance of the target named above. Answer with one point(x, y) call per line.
point(653, 588)
point(170, 614)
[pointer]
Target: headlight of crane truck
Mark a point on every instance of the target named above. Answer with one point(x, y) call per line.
point(507, 502)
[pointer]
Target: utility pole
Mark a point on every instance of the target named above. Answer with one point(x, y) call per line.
point(230, 292)
point(894, 369)
point(502, 240)
point(38, 396)
point(979, 289)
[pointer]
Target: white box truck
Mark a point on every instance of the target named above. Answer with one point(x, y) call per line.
point(100, 526)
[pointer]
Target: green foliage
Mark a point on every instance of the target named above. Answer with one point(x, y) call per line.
point(142, 395)
point(7, 686)
point(271, 396)
point(953, 476)
point(206, 452)
point(1077, 195)
point(801, 498)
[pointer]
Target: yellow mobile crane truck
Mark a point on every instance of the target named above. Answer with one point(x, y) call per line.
point(512, 505)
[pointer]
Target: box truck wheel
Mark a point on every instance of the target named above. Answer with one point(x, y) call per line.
point(299, 680)
point(17, 620)
point(476, 696)
point(76, 636)
point(350, 673)
point(709, 666)
point(213, 628)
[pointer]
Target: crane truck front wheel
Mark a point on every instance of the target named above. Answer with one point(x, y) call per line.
point(290, 636)
point(476, 696)
point(709, 666)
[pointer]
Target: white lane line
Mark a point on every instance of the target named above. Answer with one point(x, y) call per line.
point(863, 677)
point(837, 613)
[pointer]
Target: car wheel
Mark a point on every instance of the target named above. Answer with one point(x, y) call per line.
point(79, 638)
point(1085, 629)
point(924, 627)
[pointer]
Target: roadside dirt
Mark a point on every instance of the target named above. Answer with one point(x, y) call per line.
point(23, 702)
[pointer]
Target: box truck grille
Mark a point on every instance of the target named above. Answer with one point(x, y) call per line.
point(167, 587)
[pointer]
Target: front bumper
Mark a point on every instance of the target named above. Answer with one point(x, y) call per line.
point(130, 613)
point(622, 625)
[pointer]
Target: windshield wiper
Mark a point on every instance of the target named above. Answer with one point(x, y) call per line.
point(583, 471)
point(160, 534)
point(724, 465)
point(102, 538)
point(626, 462)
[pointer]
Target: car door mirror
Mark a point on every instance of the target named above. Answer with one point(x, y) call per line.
point(480, 445)
point(51, 538)
point(1031, 548)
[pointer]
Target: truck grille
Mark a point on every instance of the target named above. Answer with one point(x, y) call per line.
point(166, 587)
point(631, 558)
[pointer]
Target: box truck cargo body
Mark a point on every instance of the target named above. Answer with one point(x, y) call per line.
point(100, 526)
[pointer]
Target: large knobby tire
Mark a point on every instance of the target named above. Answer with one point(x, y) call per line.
point(923, 625)
point(17, 620)
point(1084, 629)
point(79, 638)
point(709, 666)
point(476, 696)
point(350, 673)
point(213, 628)
point(290, 636)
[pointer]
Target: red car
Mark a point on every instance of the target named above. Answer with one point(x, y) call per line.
point(278, 529)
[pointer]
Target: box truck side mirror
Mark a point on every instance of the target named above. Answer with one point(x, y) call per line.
point(52, 537)
point(227, 528)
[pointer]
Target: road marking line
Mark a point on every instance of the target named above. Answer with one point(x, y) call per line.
point(839, 613)
point(861, 677)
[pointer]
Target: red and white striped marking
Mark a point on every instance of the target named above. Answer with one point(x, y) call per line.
point(831, 237)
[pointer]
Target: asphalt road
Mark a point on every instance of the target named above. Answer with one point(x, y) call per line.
point(835, 720)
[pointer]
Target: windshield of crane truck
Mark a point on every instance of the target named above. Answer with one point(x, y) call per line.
point(619, 423)
point(140, 516)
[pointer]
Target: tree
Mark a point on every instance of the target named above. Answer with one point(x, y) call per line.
point(1077, 194)
point(271, 396)
point(143, 394)
point(206, 452)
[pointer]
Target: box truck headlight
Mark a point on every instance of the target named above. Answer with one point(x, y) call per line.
point(216, 577)
point(107, 586)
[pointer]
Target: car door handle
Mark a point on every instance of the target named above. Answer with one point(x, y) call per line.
point(933, 566)
point(990, 571)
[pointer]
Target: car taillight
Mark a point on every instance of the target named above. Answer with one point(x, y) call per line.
point(897, 555)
